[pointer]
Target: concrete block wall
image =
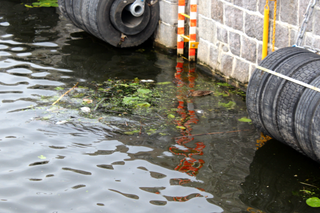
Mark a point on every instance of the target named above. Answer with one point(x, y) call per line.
point(230, 32)
point(166, 33)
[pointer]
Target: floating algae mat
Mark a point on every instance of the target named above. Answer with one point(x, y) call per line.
point(137, 106)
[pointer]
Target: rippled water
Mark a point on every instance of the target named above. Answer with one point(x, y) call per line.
point(88, 167)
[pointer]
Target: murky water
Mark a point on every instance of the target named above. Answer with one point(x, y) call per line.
point(88, 167)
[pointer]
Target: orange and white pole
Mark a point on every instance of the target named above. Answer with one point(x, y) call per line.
point(193, 30)
point(181, 18)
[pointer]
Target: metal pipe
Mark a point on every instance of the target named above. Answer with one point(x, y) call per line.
point(137, 8)
point(265, 32)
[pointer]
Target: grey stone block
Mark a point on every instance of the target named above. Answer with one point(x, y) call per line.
point(214, 57)
point(253, 68)
point(293, 37)
point(224, 48)
point(254, 26)
point(251, 4)
point(203, 52)
point(282, 36)
point(288, 11)
point(247, 4)
point(204, 8)
point(234, 17)
point(308, 40)
point(226, 64)
point(241, 71)
point(166, 35)
point(217, 10)
point(316, 43)
point(168, 12)
point(316, 18)
point(207, 29)
point(235, 43)
point(238, 3)
point(222, 35)
point(249, 49)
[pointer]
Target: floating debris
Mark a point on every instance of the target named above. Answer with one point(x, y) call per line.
point(62, 122)
point(85, 109)
point(199, 93)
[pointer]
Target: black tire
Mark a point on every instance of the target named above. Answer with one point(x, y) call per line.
point(258, 80)
point(289, 99)
point(62, 7)
point(100, 15)
point(93, 16)
point(307, 121)
point(85, 16)
point(69, 10)
point(77, 8)
point(314, 132)
point(272, 96)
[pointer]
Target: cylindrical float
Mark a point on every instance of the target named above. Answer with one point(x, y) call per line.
point(285, 110)
point(121, 23)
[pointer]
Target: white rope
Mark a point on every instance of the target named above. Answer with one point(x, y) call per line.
point(288, 78)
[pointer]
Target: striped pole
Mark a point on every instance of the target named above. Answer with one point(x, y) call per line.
point(180, 40)
point(193, 30)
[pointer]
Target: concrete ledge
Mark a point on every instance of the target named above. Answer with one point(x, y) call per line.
point(166, 35)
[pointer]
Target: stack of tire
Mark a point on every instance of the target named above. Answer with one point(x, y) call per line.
point(286, 111)
point(112, 21)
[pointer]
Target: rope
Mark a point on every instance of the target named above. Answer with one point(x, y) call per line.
point(289, 79)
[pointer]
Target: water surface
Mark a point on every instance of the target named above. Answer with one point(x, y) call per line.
point(91, 167)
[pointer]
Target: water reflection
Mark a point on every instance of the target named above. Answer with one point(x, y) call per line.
point(27, 25)
point(274, 182)
point(77, 167)
point(188, 164)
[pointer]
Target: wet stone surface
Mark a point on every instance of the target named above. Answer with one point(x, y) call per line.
point(161, 147)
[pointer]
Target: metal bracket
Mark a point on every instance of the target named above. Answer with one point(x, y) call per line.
point(193, 44)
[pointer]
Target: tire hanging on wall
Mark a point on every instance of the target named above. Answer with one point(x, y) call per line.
point(285, 110)
point(258, 79)
point(112, 21)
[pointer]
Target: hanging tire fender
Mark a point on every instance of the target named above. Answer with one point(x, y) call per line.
point(112, 35)
point(122, 19)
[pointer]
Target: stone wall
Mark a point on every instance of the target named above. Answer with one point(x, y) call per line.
point(167, 29)
point(230, 31)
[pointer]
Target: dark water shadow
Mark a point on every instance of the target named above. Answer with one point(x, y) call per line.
point(28, 25)
point(274, 182)
point(91, 59)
